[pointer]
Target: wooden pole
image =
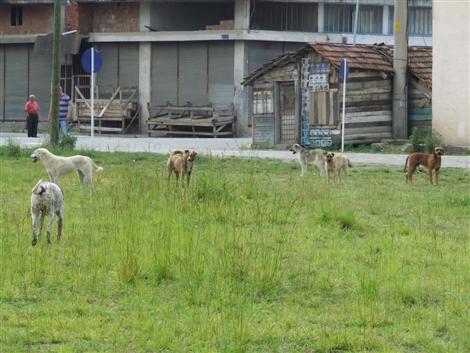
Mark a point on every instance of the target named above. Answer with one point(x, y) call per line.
point(54, 110)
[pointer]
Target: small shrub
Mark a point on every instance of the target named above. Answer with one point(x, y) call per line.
point(345, 220)
point(431, 140)
point(13, 150)
point(67, 141)
point(415, 139)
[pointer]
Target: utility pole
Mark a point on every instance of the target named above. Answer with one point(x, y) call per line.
point(400, 63)
point(54, 110)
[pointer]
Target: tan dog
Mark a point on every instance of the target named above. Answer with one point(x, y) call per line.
point(306, 156)
point(432, 161)
point(335, 163)
point(181, 162)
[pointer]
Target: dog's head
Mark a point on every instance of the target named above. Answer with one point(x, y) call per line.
point(296, 148)
point(329, 156)
point(438, 151)
point(38, 154)
point(191, 155)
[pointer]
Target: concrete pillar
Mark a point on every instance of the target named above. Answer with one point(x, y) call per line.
point(145, 66)
point(240, 69)
point(385, 16)
point(321, 17)
point(400, 63)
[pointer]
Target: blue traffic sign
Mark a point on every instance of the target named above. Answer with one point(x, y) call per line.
point(97, 60)
point(344, 70)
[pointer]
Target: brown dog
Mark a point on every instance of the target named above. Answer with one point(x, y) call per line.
point(181, 162)
point(432, 161)
point(336, 164)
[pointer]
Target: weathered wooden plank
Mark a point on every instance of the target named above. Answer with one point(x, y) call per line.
point(369, 119)
point(368, 130)
point(369, 136)
point(369, 108)
point(368, 104)
point(367, 124)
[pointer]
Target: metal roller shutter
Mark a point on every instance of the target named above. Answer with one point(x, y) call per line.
point(192, 80)
point(108, 75)
point(128, 64)
point(2, 81)
point(261, 52)
point(221, 88)
point(40, 81)
point(16, 81)
point(164, 76)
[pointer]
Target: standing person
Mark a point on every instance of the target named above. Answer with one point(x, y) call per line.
point(65, 111)
point(32, 109)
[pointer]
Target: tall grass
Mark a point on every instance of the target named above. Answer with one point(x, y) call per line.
point(249, 258)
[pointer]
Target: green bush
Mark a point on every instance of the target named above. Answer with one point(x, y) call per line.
point(415, 139)
point(67, 141)
point(431, 140)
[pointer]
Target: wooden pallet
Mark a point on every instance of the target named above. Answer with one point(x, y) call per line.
point(116, 114)
point(190, 120)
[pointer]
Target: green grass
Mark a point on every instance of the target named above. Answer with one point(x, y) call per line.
point(251, 258)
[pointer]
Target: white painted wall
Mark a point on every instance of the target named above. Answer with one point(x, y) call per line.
point(451, 71)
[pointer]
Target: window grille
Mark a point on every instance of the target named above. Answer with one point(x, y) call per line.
point(278, 16)
point(340, 18)
point(419, 21)
point(262, 102)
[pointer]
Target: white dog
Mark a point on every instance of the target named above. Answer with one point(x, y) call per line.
point(306, 156)
point(335, 163)
point(46, 198)
point(57, 166)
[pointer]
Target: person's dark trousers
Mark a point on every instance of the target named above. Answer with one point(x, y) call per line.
point(33, 125)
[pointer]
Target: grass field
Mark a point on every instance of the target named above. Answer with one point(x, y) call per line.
point(252, 258)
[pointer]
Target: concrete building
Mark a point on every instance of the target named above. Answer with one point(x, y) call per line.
point(451, 72)
point(178, 51)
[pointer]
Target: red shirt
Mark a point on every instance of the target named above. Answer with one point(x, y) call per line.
point(31, 107)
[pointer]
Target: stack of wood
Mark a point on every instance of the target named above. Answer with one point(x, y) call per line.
point(223, 25)
point(113, 111)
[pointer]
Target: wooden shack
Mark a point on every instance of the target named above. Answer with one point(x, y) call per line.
point(297, 97)
point(419, 86)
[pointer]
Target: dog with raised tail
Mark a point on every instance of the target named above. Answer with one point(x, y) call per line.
point(432, 161)
point(336, 164)
point(57, 166)
point(181, 162)
point(46, 199)
point(306, 156)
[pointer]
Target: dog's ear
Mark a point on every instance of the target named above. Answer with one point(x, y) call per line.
point(332, 154)
point(325, 152)
point(186, 151)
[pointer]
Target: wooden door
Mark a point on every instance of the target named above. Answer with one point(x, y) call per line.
point(289, 123)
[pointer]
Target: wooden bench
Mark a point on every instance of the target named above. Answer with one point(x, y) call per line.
point(171, 120)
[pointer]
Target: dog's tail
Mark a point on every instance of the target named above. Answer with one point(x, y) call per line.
point(349, 164)
point(98, 168)
point(406, 163)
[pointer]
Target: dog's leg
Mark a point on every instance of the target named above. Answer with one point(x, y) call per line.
point(437, 176)
point(188, 176)
point(80, 176)
point(59, 224)
point(41, 221)
point(50, 220)
point(35, 237)
point(430, 176)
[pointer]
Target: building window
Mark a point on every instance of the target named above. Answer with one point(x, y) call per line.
point(340, 19)
point(262, 101)
point(419, 21)
point(279, 16)
point(16, 16)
